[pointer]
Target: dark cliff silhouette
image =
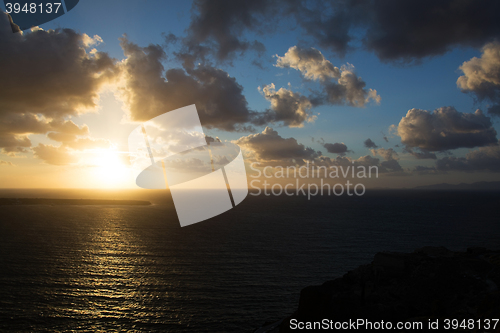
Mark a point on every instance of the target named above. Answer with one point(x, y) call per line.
point(431, 283)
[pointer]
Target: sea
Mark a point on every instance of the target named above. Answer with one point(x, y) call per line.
point(134, 269)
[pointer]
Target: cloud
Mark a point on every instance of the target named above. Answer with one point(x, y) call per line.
point(420, 154)
point(27, 123)
point(482, 77)
point(16, 127)
point(349, 89)
point(423, 170)
point(394, 30)
point(67, 152)
point(390, 167)
point(369, 143)
point(390, 157)
point(289, 107)
point(87, 143)
point(340, 86)
point(6, 163)
point(14, 144)
point(416, 29)
point(50, 72)
point(64, 131)
point(147, 93)
point(336, 148)
point(399, 30)
point(445, 128)
point(310, 62)
point(269, 147)
point(218, 97)
point(15, 28)
point(90, 41)
point(54, 155)
point(211, 140)
point(482, 159)
point(387, 154)
point(61, 137)
point(70, 135)
point(47, 77)
point(494, 110)
point(220, 24)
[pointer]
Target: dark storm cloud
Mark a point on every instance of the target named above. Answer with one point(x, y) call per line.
point(401, 30)
point(494, 110)
point(13, 26)
point(445, 128)
point(393, 29)
point(369, 143)
point(149, 92)
point(336, 148)
point(222, 22)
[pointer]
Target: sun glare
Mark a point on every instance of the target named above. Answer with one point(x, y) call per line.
point(108, 169)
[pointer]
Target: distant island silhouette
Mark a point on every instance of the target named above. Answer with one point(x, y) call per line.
point(477, 186)
point(74, 202)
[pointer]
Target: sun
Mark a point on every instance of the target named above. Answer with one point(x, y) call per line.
point(109, 169)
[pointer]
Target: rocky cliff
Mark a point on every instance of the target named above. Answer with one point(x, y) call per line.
point(433, 283)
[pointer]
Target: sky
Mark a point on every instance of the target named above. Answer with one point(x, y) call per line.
point(410, 87)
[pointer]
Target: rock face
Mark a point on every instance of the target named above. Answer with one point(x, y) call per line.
point(431, 283)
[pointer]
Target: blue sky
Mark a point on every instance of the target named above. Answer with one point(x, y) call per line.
point(428, 85)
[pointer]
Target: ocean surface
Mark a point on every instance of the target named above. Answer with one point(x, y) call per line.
point(133, 268)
